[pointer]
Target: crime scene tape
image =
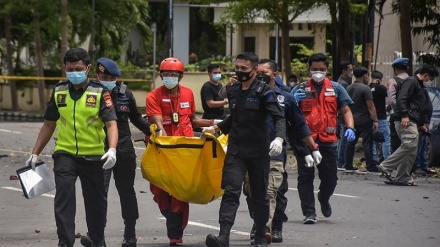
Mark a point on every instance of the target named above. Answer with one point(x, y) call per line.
point(36, 78)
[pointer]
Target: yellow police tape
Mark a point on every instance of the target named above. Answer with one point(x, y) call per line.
point(37, 78)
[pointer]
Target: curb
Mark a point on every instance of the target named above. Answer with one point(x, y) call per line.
point(12, 116)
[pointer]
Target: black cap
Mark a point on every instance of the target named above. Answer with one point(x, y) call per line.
point(108, 67)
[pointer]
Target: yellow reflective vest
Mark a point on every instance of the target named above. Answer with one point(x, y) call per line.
point(80, 129)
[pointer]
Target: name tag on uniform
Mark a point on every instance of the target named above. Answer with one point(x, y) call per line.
point(184, 105)
point(329, 90)
point(308, 89)
point(166, 100)
point(329, 94)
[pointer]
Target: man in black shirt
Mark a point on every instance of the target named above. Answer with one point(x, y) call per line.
point(364, 113)
point(251, 102)
point(380, 94)
point(212, 103)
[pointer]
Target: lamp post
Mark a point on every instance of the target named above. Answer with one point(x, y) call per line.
point(154, 29)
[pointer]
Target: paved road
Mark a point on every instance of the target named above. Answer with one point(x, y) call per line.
point(366, 212)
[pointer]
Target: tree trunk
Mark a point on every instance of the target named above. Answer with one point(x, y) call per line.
point(64, 42)
point(405, 32)
point(340, 17)
point(92, 34)
point(9, 52)
point(39, 59)
point(285, 47)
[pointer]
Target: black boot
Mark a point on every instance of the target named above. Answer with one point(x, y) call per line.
point(129, 234)
point(129, 242)
point(223, 238)
point(277, 232)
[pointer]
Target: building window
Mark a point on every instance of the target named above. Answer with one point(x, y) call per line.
point(249, 44)
point(309, 26)
point(300, 26)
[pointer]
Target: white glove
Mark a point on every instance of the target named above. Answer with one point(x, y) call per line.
point(309, 161)
point(32, 161)
point(276, 146)
point(317, 156)
point(216, 121)
point(111, 159)
point(159, 132)
point(209, 129)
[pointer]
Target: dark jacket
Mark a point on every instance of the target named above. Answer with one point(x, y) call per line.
point(411, 101)
point(246, 125)
point(126, 109)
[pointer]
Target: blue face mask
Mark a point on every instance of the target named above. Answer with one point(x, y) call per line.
point(216, 77)
point(77, 77)
point(170, 82)
point(108, 84)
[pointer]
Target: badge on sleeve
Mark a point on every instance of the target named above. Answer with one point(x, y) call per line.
point(108, 100)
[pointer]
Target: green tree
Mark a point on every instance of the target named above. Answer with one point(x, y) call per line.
point(281, 12)
point(416, 17)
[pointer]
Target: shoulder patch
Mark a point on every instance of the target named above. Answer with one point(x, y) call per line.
point(108, 99)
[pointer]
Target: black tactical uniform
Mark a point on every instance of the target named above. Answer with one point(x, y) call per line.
point(248, 151)
point(125, 169)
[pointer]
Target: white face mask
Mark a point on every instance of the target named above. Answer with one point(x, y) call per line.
point(318, 76)
point(427, 83)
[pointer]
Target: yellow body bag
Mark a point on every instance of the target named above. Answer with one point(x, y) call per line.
point(189, 168)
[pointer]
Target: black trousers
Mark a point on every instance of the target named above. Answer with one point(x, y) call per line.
point(67, 169)
point(280, 216)
point(363, 131)
point(234, 172)
point(395, 140)
point(124, 173)
point(327, 174)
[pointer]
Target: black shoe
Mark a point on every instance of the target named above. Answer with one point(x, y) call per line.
point(326, 208)
point(310, 219)
point(261, 242)
point(373, 169)
point(102, 244)
point(252, 234)
point(429, 171)
point(351, 169)
point(277, 236)
point(214, 241)
point(86, 241)
point(129, 242)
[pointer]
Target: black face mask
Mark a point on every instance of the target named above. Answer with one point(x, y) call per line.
point(243, 76)
point(264, 78)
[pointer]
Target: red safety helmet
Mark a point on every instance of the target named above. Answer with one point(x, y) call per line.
point(172, 64)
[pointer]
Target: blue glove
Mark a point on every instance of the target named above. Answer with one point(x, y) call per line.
point(349, 134)
point(299, 95)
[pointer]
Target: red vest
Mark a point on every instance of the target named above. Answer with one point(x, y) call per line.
point(321, 112)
